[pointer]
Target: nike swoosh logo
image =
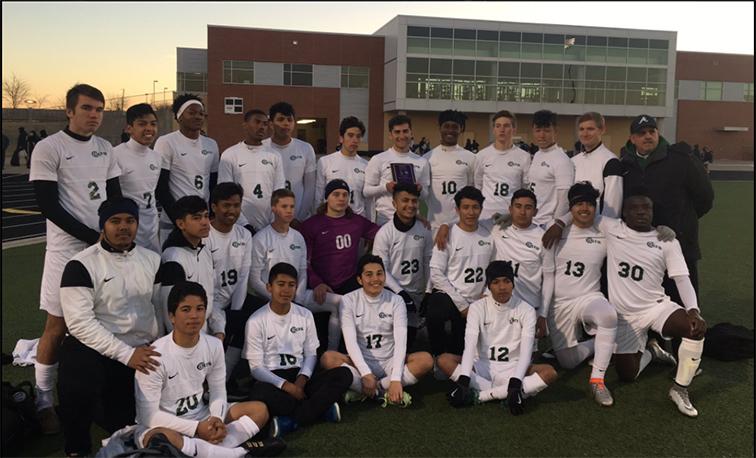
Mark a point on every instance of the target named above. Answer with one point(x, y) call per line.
point(69, 157)
point(242, 165)
point(270, 337)
point(189, 277)
point(324, 233)
point(695, 359)
point(183, 154)
point(334, 171)
point(108, 279)
point(486, 324)
point(357, 316)
point(397, 242)
point(171, 376)
point(488, 165)
point(459, 249)
point(213, 251)
point(128, 172)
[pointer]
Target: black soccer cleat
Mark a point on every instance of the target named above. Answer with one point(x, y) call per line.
point(266, 447)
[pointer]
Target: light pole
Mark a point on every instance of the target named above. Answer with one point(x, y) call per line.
point(164, 89)
point(29, 103)
point(153, 91)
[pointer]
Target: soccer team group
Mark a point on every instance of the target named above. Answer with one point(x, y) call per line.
point(320, 274)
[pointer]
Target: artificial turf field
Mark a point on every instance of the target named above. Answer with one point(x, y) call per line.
point(560, 421)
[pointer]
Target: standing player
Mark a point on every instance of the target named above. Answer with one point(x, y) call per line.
point(457, 273)
point(636, 267)
point(451, 168)
point(172, 409)
point(501, 168)
point(598, 165)
point(499, 341)
point(520, 244)
point(140, 170)
point(186, 258)
point(575, 266)
point(551, 173)
point(257, 168)
point(405, 246)
point(374, 323)
point(379, 181)
point(189, 160)
point(297, 157)
point(345, 164)
point(281, 346)
point(72, 172)
point(230, 247)
point(106, 295)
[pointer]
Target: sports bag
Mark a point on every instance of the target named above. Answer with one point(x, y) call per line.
point(729, 342)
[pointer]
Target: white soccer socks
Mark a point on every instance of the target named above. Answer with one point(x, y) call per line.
point(689, 358)
point(45, 376)
point(238, 431)
point(408, 379)
point(604, 347)
point(646, 358)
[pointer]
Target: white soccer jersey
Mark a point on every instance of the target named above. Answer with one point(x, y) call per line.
point(460, 268)
point(107, 299)
point(496, 331)
point(276, 341)
point(259, 171)
point(379, 326)
point(171, 395)
point(636, 265)
point(451, 169)
point(524, 249)
point(232, 257)
point(348, 168)
point(576, 261)
point(378, 174)
point(550, 171)
point(602, 168)
point(140, 171)
point(81, 169)
point(406, 255)
point(298, 159)
point(269, 247)
point(498, 174)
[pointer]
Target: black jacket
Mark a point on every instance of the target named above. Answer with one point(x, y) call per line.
point(679, 187)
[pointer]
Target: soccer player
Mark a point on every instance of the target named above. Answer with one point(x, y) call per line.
point(636, 266)
point(230, 247)
point(297, 157)
point(499, 341)
point(257, 168)
point(573, 267)
point(169, 400)
point(186, 258)
point(106, 292)
point(502, 167)
point(140, 170)
point(520, 244)
point(281, 346)
point(457, 273)
point(405, 246)
point(374, 324)
point(598, 165)
point(346, 165)
point(333, 237)
point(73, 171)
point(551, 173)
point(451, 168)
point(379, 180)
point(189, 161)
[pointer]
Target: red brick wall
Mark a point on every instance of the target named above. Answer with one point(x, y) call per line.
point(703, 66)
point(224, 43)
point(699, 122)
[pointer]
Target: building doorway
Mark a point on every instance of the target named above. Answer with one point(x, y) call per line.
point(313, 131)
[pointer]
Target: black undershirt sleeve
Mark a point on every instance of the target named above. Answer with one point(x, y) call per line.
point(171, 273)
point(75, 274)
point(113, 188)
point(163, 194)
point(46, 193)
point(613, 167)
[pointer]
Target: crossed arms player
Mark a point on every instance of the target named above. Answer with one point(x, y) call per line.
point(169, 400)
point(500, 329)
point(374, 325)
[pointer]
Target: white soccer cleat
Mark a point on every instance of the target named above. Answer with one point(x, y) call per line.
point(660, 354)
point(679, 396)
point(602, 395)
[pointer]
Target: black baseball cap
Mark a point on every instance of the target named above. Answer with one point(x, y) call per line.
point(641, 122)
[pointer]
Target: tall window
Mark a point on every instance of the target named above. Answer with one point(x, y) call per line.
point(297, 75)
point(191, 82)
point(238, 72)
point(233, 105)
point(355, 77)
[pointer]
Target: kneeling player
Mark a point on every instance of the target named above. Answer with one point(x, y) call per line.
point(169, 400)
point(374, 325)
point(281, 346)
point(501, 329)
point(636, 265)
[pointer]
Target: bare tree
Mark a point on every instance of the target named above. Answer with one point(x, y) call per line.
point(116, 102)
point(42, 100)
point(60, 103)
point(15, 91)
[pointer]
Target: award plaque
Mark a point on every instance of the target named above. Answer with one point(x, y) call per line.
point(403, 173)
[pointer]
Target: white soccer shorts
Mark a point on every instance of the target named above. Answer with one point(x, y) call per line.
point(49, 291)
point(632, 328)
point(565, 323)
